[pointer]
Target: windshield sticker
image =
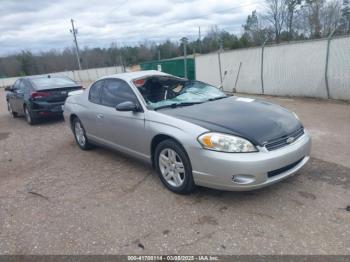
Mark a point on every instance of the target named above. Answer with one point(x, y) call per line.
point(244, 99)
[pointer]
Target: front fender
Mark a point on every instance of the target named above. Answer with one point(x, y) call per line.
point(182, 131)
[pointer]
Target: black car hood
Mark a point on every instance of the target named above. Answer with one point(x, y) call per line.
point(257, 121)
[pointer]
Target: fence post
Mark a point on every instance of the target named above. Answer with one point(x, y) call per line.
point(239, 70)
point(220, 70)
point(88, 74)
point(327, 60)
point(262, 67)
point(97, 74)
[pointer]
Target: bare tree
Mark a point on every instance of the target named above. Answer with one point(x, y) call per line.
point(276, 15)
point(345, 21)
point(331, 16)
point(313, 12)
point(292, 6)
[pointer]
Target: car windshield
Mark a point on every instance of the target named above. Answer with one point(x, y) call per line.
point(52, 82)
point(160, 92)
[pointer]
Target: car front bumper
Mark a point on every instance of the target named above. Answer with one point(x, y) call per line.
point(248, 171)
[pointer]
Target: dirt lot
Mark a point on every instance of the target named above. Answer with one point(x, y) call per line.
point(57, 199)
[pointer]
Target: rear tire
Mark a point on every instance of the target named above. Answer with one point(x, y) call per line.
point(9, 108)
point(29, 116)
point(80, 135)
point(174, 167)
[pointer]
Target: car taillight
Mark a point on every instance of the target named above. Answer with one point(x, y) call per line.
point(139, 82)
point(39, 94)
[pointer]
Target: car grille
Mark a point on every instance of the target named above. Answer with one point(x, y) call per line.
point(283, 141)
point(283, 169)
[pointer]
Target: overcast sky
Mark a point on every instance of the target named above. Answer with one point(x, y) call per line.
point(44, 24)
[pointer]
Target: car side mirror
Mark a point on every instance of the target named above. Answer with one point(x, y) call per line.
point(9, 89)
point(128, 106)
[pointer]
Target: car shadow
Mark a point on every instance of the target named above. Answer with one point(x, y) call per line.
point(44, 121)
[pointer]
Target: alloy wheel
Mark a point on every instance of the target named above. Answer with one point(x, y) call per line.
point(79, 134)
point(171, 167)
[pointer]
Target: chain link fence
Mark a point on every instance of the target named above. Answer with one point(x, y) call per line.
point(317, 68)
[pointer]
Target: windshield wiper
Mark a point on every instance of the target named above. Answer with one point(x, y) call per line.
point(217, 98)
point(174, 105)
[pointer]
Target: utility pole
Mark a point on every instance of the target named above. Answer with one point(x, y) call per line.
point(75, 32)
point(184, 41)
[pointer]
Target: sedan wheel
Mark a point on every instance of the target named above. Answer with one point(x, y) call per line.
point(9, 108)
point(29, 118)
point(174, 167)
point(79, 134)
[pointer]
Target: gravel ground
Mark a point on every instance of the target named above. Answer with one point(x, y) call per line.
point(57, 199)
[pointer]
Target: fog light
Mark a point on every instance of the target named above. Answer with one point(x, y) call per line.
point(242, 179)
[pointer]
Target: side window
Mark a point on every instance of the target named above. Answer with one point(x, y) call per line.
point(21, 86)
point(94, 94)
point(115, 92)
point(27, 86)
point(16, 84)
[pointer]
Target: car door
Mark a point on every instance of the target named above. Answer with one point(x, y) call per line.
point(91, 117)
point(19, 96)
point(11, 95)
point(122, 130)
point(23, 95)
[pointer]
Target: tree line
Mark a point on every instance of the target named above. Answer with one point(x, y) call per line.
point(280, 21)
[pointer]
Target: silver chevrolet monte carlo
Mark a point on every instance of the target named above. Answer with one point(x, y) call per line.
point(189, 131)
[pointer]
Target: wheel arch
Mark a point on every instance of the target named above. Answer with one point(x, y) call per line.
point(71, 118)
point(158, 139)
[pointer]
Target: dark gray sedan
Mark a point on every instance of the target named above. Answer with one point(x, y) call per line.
point(39, 96)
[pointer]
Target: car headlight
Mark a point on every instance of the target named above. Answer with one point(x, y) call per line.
point(226, 143)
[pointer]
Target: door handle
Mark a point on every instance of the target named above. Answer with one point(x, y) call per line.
point(99, 116)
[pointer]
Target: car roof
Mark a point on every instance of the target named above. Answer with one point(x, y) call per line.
point(43, 76)
point(135, 75)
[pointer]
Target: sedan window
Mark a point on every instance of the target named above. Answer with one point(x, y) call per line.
point(115, 92)
point(21, 86)
point(52, 82)
point(94, 94)
point(16, 84)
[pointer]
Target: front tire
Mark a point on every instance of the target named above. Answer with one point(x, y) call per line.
point(9, 108)
point(80, 135)
point(174, 167)
point(29, 116)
